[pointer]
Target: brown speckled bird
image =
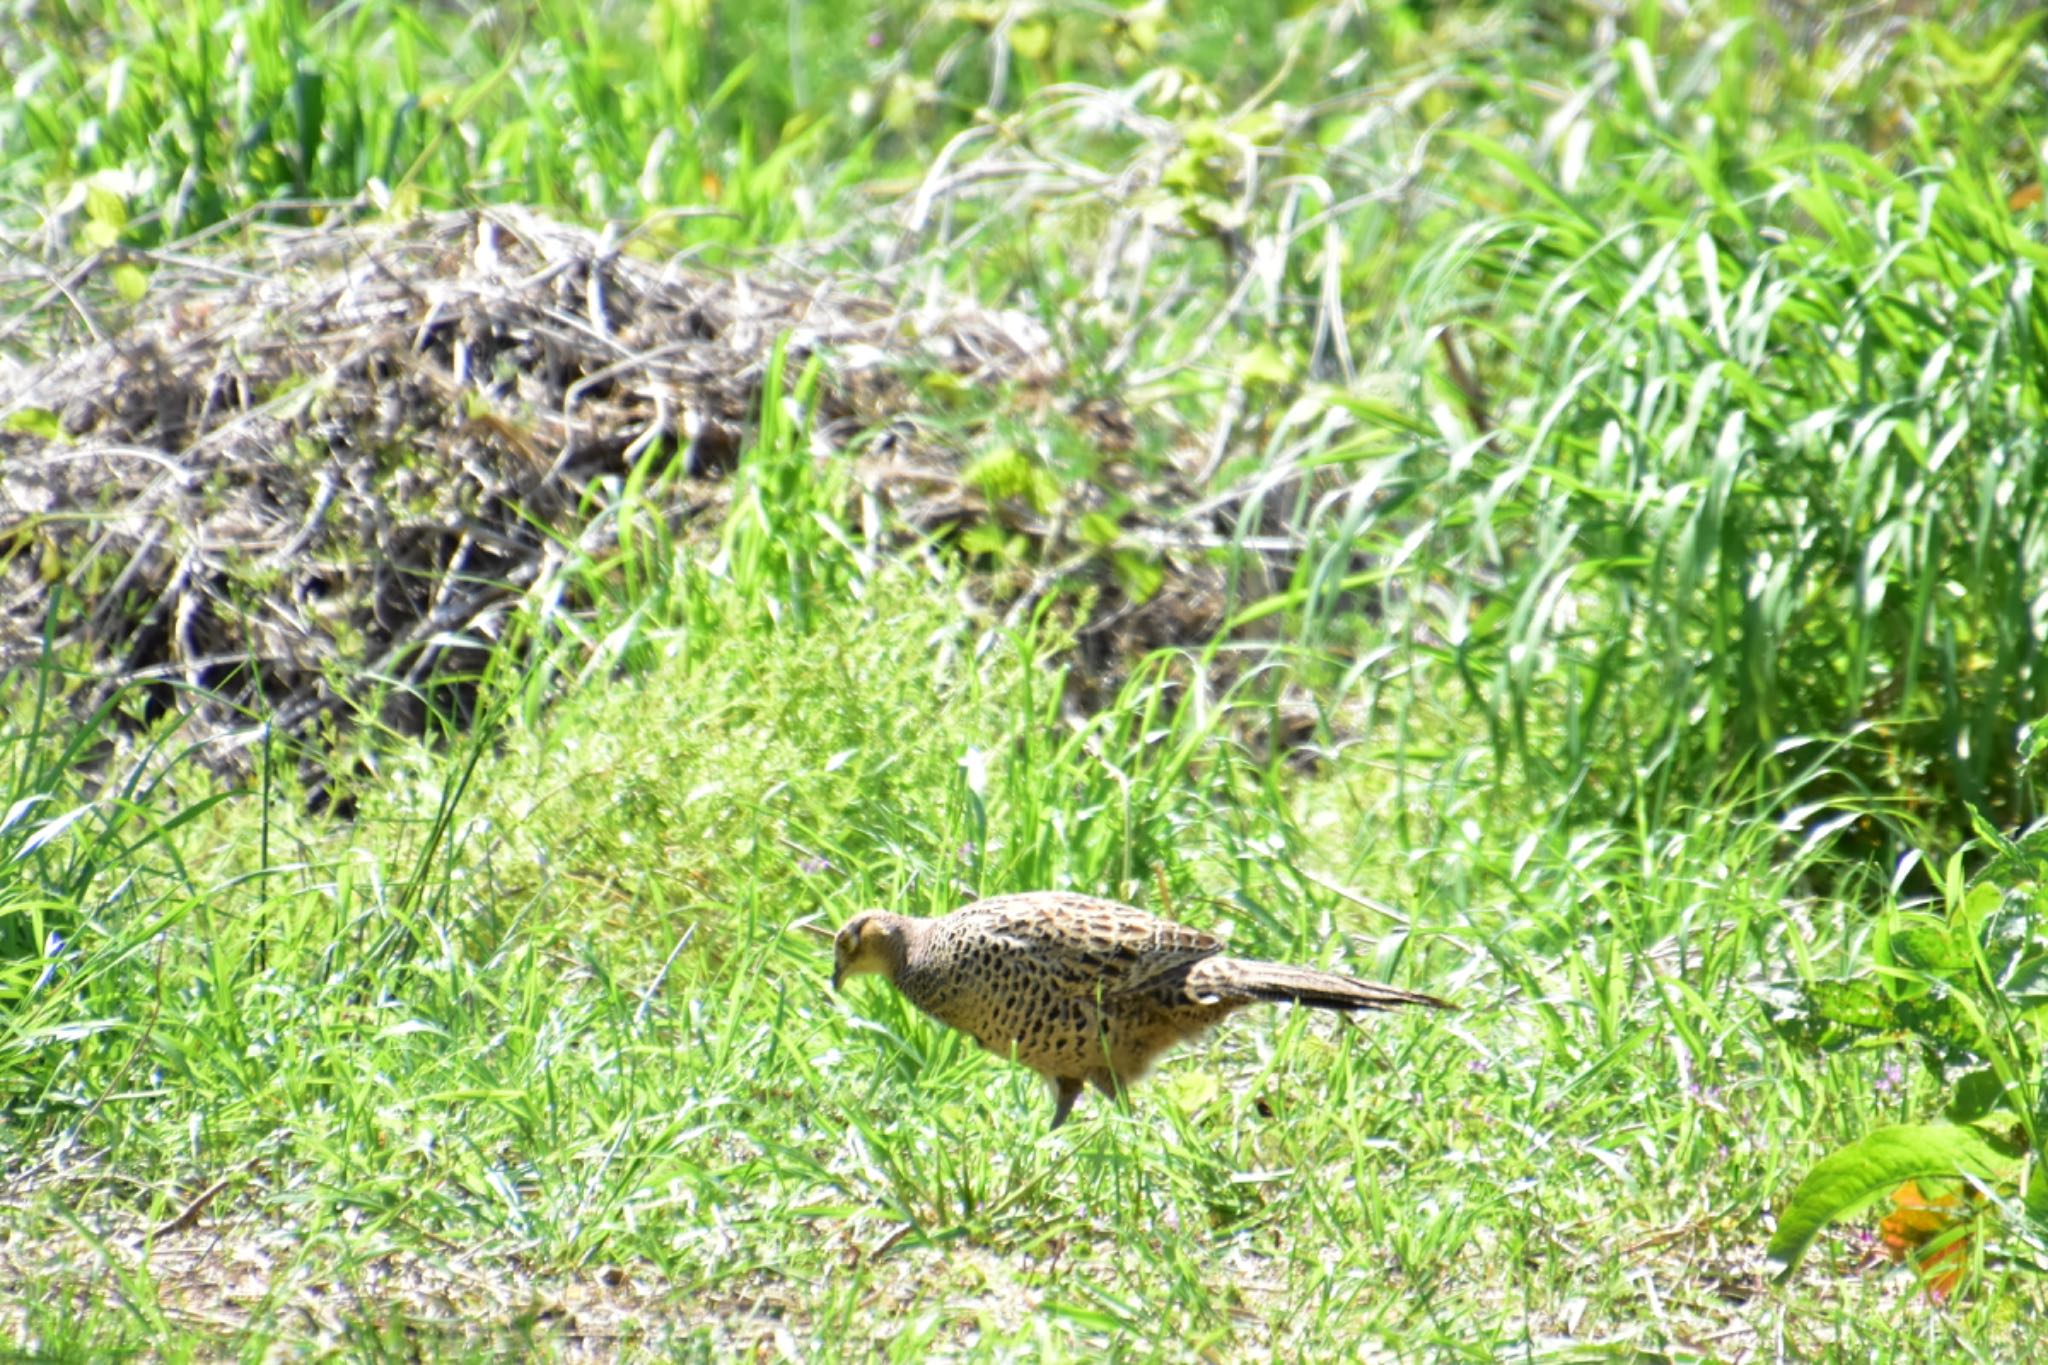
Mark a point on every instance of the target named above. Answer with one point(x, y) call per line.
point(1083, 991)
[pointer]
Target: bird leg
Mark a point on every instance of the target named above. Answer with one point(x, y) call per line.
point(1112, 1088)
point(1065, 1091)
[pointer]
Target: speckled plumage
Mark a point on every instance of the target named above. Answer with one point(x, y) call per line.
point(1081, 990)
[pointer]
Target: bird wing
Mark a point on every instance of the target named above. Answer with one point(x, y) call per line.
point(1092, 947)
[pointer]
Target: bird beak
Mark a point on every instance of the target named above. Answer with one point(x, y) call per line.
point(837, 976)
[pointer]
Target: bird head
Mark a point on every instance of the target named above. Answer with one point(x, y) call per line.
point(872, 941)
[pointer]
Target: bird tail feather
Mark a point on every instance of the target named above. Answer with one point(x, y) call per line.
point(1246, 980)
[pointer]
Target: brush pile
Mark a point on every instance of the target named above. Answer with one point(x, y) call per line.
point(324, 470)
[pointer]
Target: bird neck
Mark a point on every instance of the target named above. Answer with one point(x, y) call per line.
point(895, 946)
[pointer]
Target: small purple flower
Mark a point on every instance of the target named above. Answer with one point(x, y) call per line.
point(968, 851)
point(814, 866)
point(874, 38)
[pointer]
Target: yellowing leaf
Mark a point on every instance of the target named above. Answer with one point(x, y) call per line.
point(1919, 1219)
point(102, 205)
point(130, 283)
point(35, 422)
point(1263, 364)
point(1031, 39)
point(1191, 1090)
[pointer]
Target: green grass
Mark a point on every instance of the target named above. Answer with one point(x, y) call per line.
point(1651, 412)
point(578, 1022)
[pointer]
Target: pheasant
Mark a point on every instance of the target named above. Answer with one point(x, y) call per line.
point(1081, 990)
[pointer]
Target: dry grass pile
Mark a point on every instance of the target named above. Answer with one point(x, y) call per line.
point(324, 468)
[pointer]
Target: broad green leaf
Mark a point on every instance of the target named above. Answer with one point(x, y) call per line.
point(1930, 949)
point(1977, 1093)
point(1003, 472)
point(1856, 1001)
point(1099, 530)
point(1877, 1164)
point(1137, 575)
